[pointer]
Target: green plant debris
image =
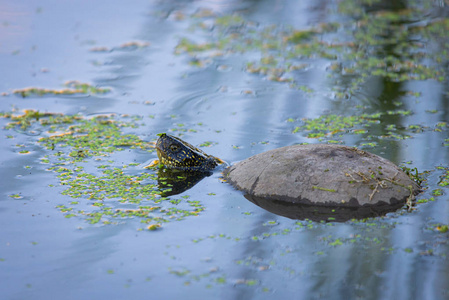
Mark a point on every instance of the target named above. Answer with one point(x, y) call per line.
point(71, 87)
point(383, 45)
point(154, 227)
point(188, 46)
point(444, 179)
point(248, 282)
point(207, 144)
point(424, 200)
point(413, 174)
point(332, 127)
point(300, 36)
point(271, 223)
point(73, 142)
point(335, 123)
point(323, 189)
point(336, 242)
point(180, 273)
point(368, 145)
point(328, 125)
point(437, 192)
point(133, 45)
point(229, 20)
point(25, 119)
point(442, 228)
point(220, 280)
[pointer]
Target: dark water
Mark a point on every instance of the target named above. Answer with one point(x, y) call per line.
point(233, 249)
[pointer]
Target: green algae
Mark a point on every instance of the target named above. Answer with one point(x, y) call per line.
point(75, 143)
point(25, 120)
point(387, 44)
point(375, 126)
point(229, 20)
point(71, 88)
point(269, 41)
point(98, 136)
point(444, 179)
point(336, 242)
point(128, 46)
point(300, 36)
point(332, 124)
point(185, 45)
point(364, 234)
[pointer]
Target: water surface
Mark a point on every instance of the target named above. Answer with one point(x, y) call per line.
point(248, 91)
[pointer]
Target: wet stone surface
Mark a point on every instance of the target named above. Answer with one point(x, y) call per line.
point(322, 175)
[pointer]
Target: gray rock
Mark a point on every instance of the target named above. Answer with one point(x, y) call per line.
point(322, 175)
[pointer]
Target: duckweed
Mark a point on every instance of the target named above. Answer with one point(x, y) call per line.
point(73, 142)
point(437, 192)
point(386, 44)
point(444, 179)
point(332, 127)
point(71, 87)
point(336, 242)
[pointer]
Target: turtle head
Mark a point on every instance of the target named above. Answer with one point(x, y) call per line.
point(177, 154)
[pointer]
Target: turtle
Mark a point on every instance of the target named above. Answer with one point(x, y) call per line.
point(175, 153)
point(319, 175)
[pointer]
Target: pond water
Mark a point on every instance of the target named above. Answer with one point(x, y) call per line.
point(87, 86)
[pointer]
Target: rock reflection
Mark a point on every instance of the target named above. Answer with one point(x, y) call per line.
point(301, 211)
point(173, 182)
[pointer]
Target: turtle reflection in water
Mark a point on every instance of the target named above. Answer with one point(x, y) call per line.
point(318, 182)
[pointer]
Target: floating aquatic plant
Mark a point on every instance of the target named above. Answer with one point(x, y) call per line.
point(327, 126)
point(71, 88)
point(386, 43)
point(76, 143)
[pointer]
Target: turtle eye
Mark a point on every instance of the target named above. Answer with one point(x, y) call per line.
point(174, 148)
